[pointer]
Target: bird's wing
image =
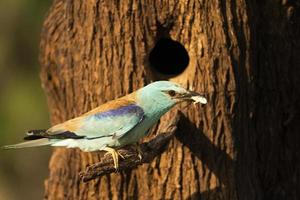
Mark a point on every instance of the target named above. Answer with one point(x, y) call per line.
point(114, 122)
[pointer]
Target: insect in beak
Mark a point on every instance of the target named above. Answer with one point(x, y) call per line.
point(193, 96)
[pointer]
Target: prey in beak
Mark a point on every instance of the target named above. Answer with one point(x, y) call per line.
point(193, 96)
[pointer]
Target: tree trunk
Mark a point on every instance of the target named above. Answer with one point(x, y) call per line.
point(243, 54)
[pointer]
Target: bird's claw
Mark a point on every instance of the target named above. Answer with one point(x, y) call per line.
point(115, 156)
point(123, 157)
point(140, 156)
point(139, 151)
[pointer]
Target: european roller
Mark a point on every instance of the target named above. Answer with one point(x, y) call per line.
point(117, 123)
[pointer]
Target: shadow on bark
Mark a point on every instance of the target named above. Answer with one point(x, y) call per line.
point(213, 157)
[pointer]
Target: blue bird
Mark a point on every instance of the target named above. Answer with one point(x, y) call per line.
point(114, 124)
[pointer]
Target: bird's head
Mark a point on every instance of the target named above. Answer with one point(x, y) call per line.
point(168, 93)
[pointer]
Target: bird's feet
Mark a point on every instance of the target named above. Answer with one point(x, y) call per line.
point(139, 151)
point(115, 156)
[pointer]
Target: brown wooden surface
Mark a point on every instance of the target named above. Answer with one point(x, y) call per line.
point(242, 145)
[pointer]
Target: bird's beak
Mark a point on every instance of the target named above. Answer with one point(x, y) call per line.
point(194, 96)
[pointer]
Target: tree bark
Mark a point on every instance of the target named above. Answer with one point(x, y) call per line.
point(243, 54)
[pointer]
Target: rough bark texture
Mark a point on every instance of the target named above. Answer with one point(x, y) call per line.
point(242, 145)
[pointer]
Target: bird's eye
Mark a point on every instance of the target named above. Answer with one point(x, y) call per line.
point(171, 93)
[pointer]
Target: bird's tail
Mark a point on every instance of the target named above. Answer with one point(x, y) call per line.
point(31, 143)
point(36, 138)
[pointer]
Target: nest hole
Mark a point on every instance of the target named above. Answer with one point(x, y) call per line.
point(169, 57)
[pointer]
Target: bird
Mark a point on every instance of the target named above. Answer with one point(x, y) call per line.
point(117, 123)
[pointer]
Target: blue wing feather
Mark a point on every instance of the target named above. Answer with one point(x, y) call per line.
point(115, 122)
